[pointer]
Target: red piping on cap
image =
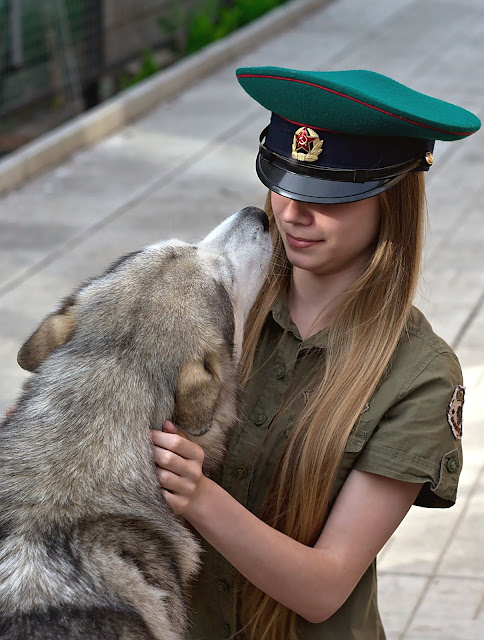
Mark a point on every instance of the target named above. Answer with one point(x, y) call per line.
point(365, 104)
point(312, 126)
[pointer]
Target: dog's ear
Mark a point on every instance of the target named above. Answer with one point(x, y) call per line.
point(54, 331)
point(197, 392)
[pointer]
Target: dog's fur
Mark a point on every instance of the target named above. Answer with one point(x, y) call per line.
point(88, 546)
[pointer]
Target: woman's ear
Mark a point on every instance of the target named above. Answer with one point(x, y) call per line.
point(197, 393)
point(53, 332)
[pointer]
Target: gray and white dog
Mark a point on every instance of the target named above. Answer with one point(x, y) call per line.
point(88, 546)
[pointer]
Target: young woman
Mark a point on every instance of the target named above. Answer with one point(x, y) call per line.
point(352, 406)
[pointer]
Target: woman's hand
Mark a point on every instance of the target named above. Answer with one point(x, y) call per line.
point(179, 467)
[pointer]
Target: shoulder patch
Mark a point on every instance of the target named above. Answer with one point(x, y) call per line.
point(454, 411)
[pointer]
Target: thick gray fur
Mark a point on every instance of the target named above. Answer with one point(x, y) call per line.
point(88, 546)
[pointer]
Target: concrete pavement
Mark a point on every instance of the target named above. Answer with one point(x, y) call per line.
point(190, 162)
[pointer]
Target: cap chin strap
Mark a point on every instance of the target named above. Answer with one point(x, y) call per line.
point(341, 175)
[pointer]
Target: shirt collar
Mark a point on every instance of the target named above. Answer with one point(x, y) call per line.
point(280, 313)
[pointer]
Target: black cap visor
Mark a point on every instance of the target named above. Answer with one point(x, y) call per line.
point(311, 189)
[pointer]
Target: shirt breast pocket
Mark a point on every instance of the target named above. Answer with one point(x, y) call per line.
point(356, 442)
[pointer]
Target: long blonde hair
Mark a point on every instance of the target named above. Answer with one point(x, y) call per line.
point(366, 328)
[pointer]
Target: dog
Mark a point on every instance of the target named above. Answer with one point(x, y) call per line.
point(89, 548)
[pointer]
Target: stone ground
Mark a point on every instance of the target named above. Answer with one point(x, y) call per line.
point(190, 162)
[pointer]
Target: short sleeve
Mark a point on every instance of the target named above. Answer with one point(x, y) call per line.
point(416, 439)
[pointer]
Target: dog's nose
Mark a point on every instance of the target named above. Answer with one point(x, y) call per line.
point(257, 213)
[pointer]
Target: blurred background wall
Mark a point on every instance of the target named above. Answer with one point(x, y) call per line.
point(61, 57)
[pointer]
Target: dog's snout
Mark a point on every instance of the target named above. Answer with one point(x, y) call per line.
point(257, 213)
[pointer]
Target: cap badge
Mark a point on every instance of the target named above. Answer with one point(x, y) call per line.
point(306, 145)
point(454, 411)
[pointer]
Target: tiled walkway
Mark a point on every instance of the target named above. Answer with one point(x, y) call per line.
point(190, 162)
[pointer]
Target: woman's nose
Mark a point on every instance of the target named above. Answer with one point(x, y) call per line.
point(297, 212)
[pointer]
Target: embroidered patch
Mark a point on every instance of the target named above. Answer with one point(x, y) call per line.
point(454, 411)
point(306, 145)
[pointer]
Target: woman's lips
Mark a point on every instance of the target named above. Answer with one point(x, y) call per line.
point(299, 243)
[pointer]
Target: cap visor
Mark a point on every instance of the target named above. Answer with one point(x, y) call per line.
point(309, 189)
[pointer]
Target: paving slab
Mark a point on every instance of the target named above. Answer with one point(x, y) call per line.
point(461, 618)
point(399, 596)
point(189, 162)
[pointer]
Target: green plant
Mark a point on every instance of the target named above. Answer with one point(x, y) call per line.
point(190, 31)
point(148, 68)
point(200, 32)
point(174, 24)
point(251, 9)
point(228, 21)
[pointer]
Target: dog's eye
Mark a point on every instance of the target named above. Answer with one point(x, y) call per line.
point(207, 365)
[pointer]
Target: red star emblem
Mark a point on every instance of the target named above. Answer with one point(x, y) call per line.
point(304, 140)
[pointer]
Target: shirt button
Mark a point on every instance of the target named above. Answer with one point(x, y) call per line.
point(260, 419)
point(280, 372)
point(452, 465)
point(240, 472)
point(227, 631)
point(222, 585)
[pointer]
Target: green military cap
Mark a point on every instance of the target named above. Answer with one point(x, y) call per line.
point(339, 136)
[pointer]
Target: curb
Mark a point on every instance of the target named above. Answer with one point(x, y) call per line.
point(55, 146)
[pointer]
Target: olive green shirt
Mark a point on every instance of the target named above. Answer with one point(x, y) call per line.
point(403, 433)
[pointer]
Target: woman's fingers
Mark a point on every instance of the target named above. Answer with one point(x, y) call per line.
point(169, 427)
point(177, 503)
point(182, 485)
point(179, 445)
point(178, 467)
point(175, 463)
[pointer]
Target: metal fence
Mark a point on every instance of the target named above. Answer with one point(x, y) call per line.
point(58, 56)
point(48, 48)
